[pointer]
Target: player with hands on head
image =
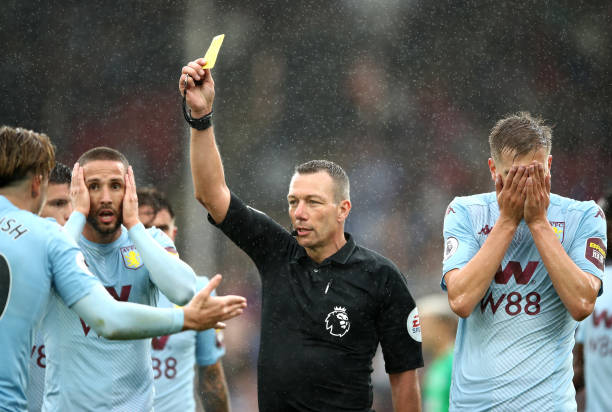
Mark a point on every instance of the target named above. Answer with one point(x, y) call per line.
point(322, 293)
point(133, 263)
point(38, 259)
point(521, 266)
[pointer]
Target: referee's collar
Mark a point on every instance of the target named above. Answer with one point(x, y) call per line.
point(342, 256)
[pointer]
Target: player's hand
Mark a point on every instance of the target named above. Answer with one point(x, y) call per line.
point(79, 194)
point(205, 311)
point(200, 88)
point(511, 194)
point(130, 200)
point(537, 191)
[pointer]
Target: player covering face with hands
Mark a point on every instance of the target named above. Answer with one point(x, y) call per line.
point(521, 266)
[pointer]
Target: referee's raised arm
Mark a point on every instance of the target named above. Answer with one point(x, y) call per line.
point(198, 90)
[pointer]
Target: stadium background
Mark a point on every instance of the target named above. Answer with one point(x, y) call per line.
point(402, 93)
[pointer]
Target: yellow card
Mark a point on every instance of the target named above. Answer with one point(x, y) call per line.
point(213, 50)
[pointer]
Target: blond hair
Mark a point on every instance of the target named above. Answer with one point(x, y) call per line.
point(22, 153)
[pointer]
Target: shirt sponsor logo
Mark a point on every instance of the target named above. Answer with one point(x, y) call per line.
point(596, 252)
point(452, 244)
point(559, 229)
point(131, 257)
point(337, 322)
point(413, 324)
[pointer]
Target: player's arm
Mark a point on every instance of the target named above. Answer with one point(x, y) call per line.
point(206, 167)
point(405, 391)
point(124, 320)
point(212, 388)
point(576, 288)
point(175, 278)
point(466, 286)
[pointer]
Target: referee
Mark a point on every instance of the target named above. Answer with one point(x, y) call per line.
point(326, 302)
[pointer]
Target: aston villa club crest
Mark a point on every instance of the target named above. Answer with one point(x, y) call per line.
point(337, 322)
point(131, 257)
point(558, 228)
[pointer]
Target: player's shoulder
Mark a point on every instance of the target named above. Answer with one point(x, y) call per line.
point(479, 199)
point(570, 205)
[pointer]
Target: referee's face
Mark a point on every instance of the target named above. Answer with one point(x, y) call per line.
point(315, 215)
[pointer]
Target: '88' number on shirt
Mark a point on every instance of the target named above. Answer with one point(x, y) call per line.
point(165, 367)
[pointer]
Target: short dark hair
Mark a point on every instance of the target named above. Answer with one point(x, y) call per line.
point(520, 133)
point(150, 196)
point(23, 152)
point(60, 174)
point(337, 173)
point(103, 153)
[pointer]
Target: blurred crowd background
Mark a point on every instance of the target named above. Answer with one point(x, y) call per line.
point(401, 93)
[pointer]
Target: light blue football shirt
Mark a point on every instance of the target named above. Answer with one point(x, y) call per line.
point(35, 256)
point(174, 358)
point(595, 333)
point(88, 372)
point(514, 350)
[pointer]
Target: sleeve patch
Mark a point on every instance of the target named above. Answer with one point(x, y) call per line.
point(171, 250)
point(414, 325)
point(452, 244)
point(595, 252)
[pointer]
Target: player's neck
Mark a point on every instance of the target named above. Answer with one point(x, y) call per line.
point(20, 198)
point(95, 236)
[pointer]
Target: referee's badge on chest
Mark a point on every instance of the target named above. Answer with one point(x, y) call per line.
point(131, 257)
point(337, 322)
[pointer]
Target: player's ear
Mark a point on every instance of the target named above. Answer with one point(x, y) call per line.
point(36, 186)
point(492, 168)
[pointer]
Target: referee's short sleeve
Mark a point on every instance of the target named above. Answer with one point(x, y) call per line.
point(398, 325)
point(258, 235)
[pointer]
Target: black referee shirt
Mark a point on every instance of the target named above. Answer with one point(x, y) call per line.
point(321, 323)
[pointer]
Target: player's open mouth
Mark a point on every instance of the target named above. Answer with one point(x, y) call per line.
point(302, 231)
point(106, 216)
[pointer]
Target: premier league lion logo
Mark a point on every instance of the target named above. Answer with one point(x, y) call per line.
point(337, 322)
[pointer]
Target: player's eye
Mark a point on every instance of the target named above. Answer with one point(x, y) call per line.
point(93, 186)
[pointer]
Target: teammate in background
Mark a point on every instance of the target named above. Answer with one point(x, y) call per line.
point(521, 266)
point(57, 207)
point(148, 206)
point(593, 350)
point(176, 356)
point(326, 302)
point(37, 258)
point(439, 327)
point(85, 372)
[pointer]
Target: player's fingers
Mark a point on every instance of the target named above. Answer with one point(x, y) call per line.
point(201, 61)
point(211, 285)
point(547, 183)
point(510, 177)
point(233, 300)
point(518, 183)
point(220, 325)
point(232, 313)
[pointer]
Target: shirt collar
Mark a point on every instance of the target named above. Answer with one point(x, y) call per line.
point(341, 256)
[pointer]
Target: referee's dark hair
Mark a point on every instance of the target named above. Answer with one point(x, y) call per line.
point(60, 174)
point(336, 172)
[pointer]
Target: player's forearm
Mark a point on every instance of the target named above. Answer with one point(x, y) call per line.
point(577, 289)
point(75, 224)
point(174, 278)
point(208, 176)
point(213, 391)
point(405, 391)
point(467, 286)
point(123, 320)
